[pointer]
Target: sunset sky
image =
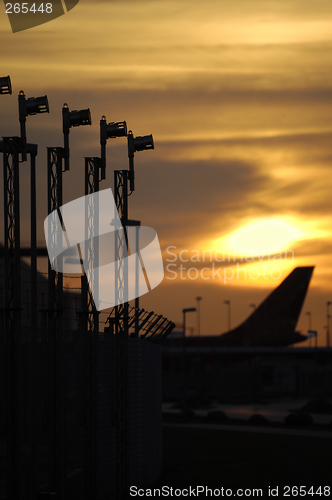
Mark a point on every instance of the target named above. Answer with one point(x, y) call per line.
point(238, 97)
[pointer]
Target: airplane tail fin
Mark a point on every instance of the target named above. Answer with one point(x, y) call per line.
point(278, 314)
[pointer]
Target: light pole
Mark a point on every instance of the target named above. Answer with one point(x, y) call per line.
point(11, 147)
point(308, 313)
point(121, 178)
point(109, 131)
point(198, 299)
point(328, 324)
point(55, 157)
point(72, 119)
point(140, 143)
point(28, 107)
point(184, 312)
point(228, 303)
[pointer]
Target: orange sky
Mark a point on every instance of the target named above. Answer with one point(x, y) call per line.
point(238, 98)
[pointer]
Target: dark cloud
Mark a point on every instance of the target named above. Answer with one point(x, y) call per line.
point(183, 199)
point(179, 197)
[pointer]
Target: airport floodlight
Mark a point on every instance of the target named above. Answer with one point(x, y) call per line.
point(32, 105)
point(308, 313)
point(72, 119)
point(109, 131)
point(5, 85)
point(37, 105)
point(29, 107)
point(140, 143)
point(75, 118)
point(112, 129)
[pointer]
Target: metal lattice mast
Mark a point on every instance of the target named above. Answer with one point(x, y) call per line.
point(121, 336)
point(55, 157)
point(92, 168)
point(12, 316)
point(55, 331)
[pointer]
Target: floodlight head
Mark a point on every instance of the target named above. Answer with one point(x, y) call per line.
point(116, 129)
point(109, 131)
point(28, 107)
point(74, 118)
point(37, 105)
point(32, 106)
point(141, 143)
point(82, 117)
point(5, 85)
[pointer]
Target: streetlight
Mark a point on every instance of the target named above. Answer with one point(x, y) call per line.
point(308, 313)
point(28, 107)
point(228, 303)
point(185, 311)
point(5, 85)
point(198, 299)
point(328, 324)
point(72, 119)
point(109, 131)
point(139, 143)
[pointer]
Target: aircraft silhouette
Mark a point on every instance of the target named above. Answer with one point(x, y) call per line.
point(273, 323)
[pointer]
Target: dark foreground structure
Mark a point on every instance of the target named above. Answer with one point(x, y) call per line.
point(61, 437)
point(39, 426)
point(80, 401)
